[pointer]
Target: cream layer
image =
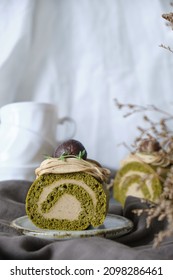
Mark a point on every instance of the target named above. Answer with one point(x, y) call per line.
point(73, 206)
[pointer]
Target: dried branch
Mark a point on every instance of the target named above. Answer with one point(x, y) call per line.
point(156, 131)
point(166, 47)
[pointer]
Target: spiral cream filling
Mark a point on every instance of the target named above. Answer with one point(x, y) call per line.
point(134, 187)
point(73, 206)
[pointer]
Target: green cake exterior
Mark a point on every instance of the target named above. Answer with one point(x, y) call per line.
point(134, 168)
point(90, 214)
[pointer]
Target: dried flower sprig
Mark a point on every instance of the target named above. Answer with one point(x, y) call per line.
point(159, 131)
point(155, 129)
point(169, 18)
point(157, 136)
point(168, 48)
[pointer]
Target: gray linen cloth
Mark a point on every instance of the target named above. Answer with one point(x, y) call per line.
point(135, 245)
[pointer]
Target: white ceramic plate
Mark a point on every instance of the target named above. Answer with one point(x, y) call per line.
point(113, 226)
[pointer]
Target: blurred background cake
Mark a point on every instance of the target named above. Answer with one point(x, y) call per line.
point(142, 173)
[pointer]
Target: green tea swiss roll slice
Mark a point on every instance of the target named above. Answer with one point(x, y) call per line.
point(141, 174)
point(69, 193)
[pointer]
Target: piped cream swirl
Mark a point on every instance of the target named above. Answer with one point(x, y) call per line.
point(70, 165)
point(156, 159)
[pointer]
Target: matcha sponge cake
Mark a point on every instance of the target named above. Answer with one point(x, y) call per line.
point(69, 192)
point(142, 173)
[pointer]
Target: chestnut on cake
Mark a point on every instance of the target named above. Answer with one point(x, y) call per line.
point(69, 192)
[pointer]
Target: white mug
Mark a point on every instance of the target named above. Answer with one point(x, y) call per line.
point(39, 118)
point(19, 147)
point(28, 133)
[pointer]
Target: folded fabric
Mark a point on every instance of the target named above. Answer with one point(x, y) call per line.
point(135, 245)
point(141, 234)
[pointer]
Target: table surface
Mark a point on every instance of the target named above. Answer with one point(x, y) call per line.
point(137, 244)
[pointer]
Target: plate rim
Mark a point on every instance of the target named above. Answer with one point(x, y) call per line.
point(67, 234)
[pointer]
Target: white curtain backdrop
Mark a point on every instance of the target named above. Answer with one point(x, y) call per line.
point(81, 55)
